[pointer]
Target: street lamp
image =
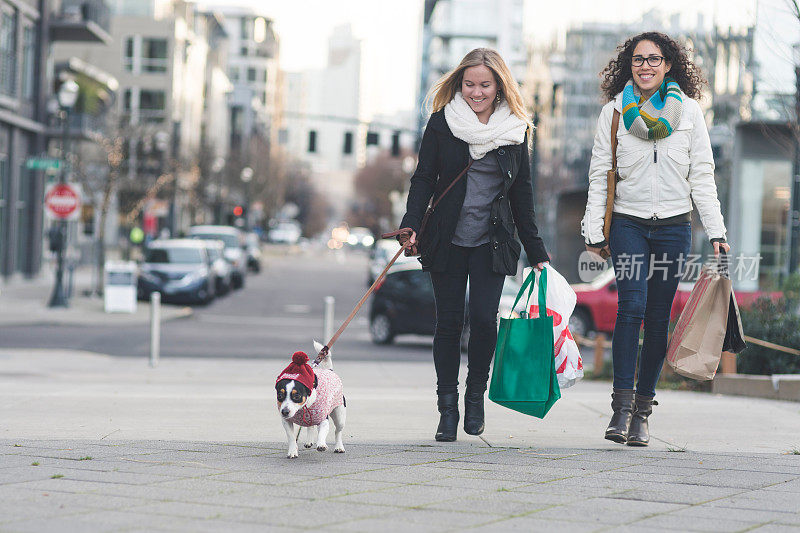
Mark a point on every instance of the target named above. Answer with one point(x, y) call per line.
point(794, 212)
point(246, 176)
point(67, 96)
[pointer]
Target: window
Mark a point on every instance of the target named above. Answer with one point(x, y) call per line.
point(126, 101)
point(8, 51)
point(154, 55)
point(246, 28)
point(251, 74)
point(152, 105)
point(233, 73)
point(127, 60)
point(28, 60)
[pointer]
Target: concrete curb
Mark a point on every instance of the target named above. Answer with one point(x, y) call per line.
point(775, 387)
point(82, 312)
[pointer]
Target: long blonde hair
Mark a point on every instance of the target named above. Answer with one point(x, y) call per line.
point(445, 89)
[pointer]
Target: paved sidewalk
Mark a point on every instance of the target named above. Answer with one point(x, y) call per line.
point(95, 443)
point(24, 302)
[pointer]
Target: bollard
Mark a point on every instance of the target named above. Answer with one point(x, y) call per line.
point(327, 321)
point(155, 328)
point(599, 353)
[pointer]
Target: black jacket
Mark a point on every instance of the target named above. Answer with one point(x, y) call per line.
point(442, 157)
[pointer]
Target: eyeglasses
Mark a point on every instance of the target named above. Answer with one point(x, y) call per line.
point(653, 61)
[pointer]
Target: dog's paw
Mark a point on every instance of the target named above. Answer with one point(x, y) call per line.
point(308, 444)
point(338, 449)
point(322, 447)
point(292, 453)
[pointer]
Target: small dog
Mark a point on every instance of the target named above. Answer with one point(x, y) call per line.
point(308, 397)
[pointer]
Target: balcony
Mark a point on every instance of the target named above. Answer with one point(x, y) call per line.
point(82, 21)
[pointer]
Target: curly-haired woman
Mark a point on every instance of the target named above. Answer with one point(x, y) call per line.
point(664, 161)
point(478, 130)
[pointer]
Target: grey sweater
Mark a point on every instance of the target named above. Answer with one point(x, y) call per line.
point(484, 183)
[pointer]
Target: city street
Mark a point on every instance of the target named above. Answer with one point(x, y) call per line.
point(279, 311)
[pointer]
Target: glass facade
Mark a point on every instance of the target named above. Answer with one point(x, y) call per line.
point(764, 193)
point(8, 51)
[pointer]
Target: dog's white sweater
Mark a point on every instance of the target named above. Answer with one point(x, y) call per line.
point(329, 397)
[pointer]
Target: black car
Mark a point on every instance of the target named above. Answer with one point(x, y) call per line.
point(404, 303)
point(180, 269)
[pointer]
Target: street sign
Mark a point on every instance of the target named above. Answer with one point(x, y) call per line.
point(62, 201)
point(42, 163)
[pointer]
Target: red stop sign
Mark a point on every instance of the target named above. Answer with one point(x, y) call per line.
point(62, 201)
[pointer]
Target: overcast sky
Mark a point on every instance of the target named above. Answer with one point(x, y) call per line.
point(390, 31)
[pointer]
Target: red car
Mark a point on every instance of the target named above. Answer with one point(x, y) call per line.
point(596, 308)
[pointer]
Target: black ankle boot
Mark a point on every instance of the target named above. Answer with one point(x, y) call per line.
point(448, 420)
point(639, 434)
point(622, 404)
point(473, 413)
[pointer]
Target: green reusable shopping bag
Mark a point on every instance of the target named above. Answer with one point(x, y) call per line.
point(524, 372)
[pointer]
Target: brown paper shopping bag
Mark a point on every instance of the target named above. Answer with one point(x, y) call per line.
point(695, 347)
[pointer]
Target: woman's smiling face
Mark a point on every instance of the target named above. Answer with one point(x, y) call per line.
point(479, 89)
point(649, 78)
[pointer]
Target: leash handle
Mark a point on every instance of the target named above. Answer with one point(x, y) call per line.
point(323, 353)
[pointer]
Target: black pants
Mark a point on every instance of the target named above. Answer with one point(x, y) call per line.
point(449, 287)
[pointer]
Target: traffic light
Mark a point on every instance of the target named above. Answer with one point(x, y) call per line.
point(396, 144)
point(238, 211)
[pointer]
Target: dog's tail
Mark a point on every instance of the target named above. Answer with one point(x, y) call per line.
point(325, 363)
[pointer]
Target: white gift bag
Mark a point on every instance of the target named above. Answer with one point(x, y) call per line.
point(560, 303)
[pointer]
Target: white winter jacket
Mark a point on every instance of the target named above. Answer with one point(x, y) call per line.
point(657, 179)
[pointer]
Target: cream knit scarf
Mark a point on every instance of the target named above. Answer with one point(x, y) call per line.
point(503, 128)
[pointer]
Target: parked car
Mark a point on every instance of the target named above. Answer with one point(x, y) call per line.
point(253, 244)
point(380, 254)
point(285, 232)
point(223, 272)
point(234, 248)
point(404, 303)
point(180, 269)
point(596, 307)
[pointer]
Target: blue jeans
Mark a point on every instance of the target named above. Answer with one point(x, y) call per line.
point(648, 262)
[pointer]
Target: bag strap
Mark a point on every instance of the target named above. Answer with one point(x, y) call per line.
point(528, 285)
point(614, 141)
point(434, 204)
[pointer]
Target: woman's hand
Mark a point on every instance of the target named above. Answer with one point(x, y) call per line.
point(540, 266)
point(412, 247)
point(724, 245)
point(604, 252)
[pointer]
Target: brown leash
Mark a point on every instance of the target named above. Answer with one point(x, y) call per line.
point(323, 353)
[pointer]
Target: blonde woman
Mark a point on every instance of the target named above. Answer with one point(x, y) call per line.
point(478, 124)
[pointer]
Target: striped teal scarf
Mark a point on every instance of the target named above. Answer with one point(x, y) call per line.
point(656, 117)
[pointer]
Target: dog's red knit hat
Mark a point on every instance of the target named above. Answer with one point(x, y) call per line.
point(299, 370)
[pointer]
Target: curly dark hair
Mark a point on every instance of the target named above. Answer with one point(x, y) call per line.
point(683, 71)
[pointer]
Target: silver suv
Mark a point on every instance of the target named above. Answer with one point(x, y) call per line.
point(235, 251)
